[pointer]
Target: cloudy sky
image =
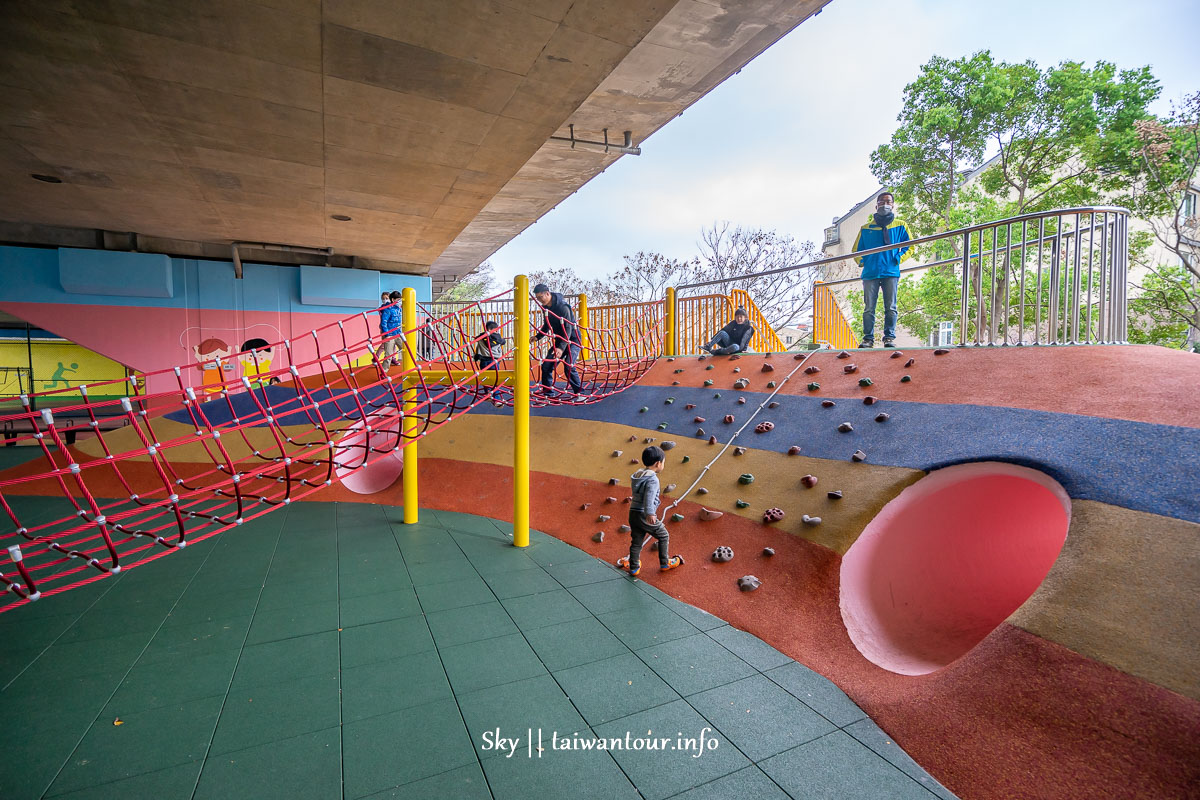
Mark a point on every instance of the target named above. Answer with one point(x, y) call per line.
point(785, 144)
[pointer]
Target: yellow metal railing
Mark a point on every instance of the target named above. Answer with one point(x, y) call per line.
point(698, 318)
point(765, 340)
point(622, 328)
point(829, 323)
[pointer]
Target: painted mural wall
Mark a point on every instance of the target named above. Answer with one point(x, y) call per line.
point(56, 366)
point(150, 312)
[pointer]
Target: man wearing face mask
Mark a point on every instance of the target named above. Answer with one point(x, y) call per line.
point(881, 271)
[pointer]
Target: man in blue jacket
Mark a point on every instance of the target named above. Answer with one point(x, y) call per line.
point(881, 271)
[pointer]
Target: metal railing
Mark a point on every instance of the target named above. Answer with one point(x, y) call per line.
point(829, 323)
point(699, 317)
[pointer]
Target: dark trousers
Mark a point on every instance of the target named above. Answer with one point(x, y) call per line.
point(639, 529)
point(568, 361)
point(486, 363)
point(720, 345)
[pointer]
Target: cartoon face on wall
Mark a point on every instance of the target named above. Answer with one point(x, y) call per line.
point(256, 358)
point(212, 359)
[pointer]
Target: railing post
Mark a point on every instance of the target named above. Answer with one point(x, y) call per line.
point(671, 340)
point(410, 421)
point(584, 322)
point(521, 411)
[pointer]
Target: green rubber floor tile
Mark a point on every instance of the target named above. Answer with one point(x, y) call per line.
point(110, 620)
point(383, 641)
point(533, 580)
point(455, 568)
point(390, 750)
point(470, 624)
point(288, 623)
point(454, 594)
point(514, 709)
point(606, 596)
point(491, 662)
point(646, 626)
point(839, 766)
point(368, 608)
point(676, 767)
point(584, 775)
point(579, 573)
point(375, 581)
point(385, 686)
point(196, 639)
point(871, 735)
point(368, 558)
point(255, 715)
point(461, 783)
point(547, 608)
point(553, 551)
point(496, 559)
point(284, 594)
point(288, 660)
point(569, 644)
point(15, 660)
point(613, 688)
point(83, 658)
point(146, 741)
point(699, 618)
point(309, 765)
point(67, 701)
point(164, 784)
point(193, 607)
point(759, 717)
point(695, 664)
point(439, 546)
point(470, 523)
point(818, 693)
point(750, 782)
point(174, 681)
point(33, 755)
point(749, 648)
point(33, 633)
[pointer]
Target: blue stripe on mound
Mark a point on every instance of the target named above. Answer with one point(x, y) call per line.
point(1135, 465)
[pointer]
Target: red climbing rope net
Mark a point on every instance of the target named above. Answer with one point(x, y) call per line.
point(175, 462)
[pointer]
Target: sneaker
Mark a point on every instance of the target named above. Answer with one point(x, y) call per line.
point(634, 571)
point(675, 561)
point(706, 349)
point(889, 342)
point(866, 344)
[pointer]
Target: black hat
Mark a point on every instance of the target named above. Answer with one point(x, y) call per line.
point(541, 287)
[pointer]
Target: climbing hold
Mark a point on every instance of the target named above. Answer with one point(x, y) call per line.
point(722, 554)
point(764, 427)
point(677, 518)
point(849, 368)
point(734, 357)
point(648, 439)
point(708, 383)
point(610, 500)
point(813, 370)
point(773, 404)
point(643, 410)
point(941, 351)
point(843, 354)
point(701, 358)
point(674, 383)
point(627, 500)
point(768, 551)
point(807, 520)
point(710, 366)
point(799, 357)
point(870, 400)
point(712, 440)
point(633, 438)
point(585, 506)
point(670, 487)
point(634, 461)
point(882, 416)
point(906, 379)
point(686, 459)
point(748, 583)
point(827, 404)
point(896, 354)
point(668, 445)
point(741, 383)
point(624, 529)
point(767, 368)
point(698, 420)
point(616, 453)
point(909, 363)
point(741, 504)
point(598, 536)
point(836, 494)
point(700, 432)
point(717, 396)
point(770, 384)
point(741, 401)
point(745, 478)
point(812, 387)
point(678, 371)
point(809, 480)
point(613, 481)
point(603, 518)
point(772, 515)
point(865, 382)
point(794, 450)
point(662, 426)
point(690, 406)
point(708, 514)
point(739, 451)
point(672, 358)
point(859, 455)
point(728, 419)
point(845, 427)
point(737, 369)
point(702, 490)
point(670, 400)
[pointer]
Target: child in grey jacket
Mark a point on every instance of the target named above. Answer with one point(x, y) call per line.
point(643, 510)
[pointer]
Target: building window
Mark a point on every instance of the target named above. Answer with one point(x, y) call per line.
point(943, 336)
point(787, 340)
point(831, 234)
point(1189, 205)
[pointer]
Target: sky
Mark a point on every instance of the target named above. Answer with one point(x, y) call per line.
point(785, 144)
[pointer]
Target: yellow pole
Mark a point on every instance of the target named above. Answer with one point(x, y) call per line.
point(583, 324)
point(411, 424)
point(669, 344)
point(521, 412)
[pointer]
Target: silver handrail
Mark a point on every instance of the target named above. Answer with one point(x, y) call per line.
point(1066, 308)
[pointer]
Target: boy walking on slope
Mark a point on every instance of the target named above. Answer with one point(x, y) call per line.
point(643, 519)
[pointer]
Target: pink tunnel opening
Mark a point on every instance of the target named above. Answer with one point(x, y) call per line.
point(381, 470)
point(948, 560)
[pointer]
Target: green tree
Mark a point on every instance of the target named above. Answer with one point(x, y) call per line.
point(476, 285)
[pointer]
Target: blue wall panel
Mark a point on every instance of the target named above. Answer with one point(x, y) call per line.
point(108, 273)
